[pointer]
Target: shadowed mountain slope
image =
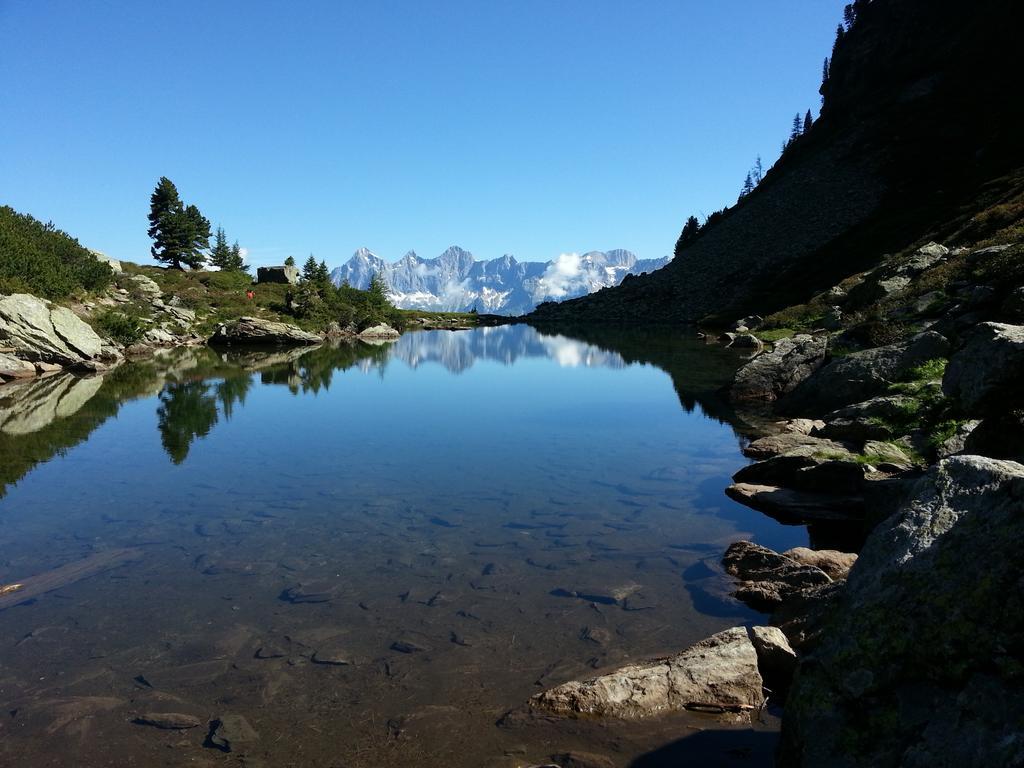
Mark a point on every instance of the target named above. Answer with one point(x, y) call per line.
point(918, 114)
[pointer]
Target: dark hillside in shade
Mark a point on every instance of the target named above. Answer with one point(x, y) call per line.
point(919, 112)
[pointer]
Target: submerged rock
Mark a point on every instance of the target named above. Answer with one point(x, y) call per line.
point(940, 686)
point(168, 721)
point(718, 674)
point(230, 732)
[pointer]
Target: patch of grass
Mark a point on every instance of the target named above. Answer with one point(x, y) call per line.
point(943, 431)
point(930, 370)
point(774, 334)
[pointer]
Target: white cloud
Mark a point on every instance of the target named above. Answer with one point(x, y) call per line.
point(560, 275)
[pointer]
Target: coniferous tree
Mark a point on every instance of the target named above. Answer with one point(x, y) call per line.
point(309, 269)
point(290, 261)
point(180, 234)
point(758, 172)
point(797, 129)
point(808, 121)
point(690, 230)
point(220, 254)
point(237, 263)
point(748, 186)
point(164, 223)
point(849, 16)
point(840, 36)
point(322, 273)
point(194, 234)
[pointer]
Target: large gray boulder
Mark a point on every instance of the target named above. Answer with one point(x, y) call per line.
point(896, 275)
point(285, 274)
point(145, 286)
point(379, 331)
point(880, 418)
point(766, 578)
point(255, 330)
point(13, 368)
point(920, 661)
point(773, 374)
point(862, 375)
point(40, 331)
point(986, 375)
point(719, 673)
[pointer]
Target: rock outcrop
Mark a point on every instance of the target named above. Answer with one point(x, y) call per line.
point(379, 331)
point(255, 330)
point(940, 686)
point(773, 374)
point(987, 373)
point(283, 274)
point(766, 578)
point(862, 375)
point(40, 331)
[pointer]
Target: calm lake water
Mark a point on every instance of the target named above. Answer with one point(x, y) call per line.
point(369, 553)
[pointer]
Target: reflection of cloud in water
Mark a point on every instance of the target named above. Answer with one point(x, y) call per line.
point(458, 350)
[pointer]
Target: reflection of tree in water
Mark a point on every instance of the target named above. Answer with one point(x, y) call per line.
point(188, 410)
point(314, 371)
point(231, 390)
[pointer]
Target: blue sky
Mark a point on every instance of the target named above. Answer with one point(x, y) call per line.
point(531, 128)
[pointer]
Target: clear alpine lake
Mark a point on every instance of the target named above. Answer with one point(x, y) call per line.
point(370, 553)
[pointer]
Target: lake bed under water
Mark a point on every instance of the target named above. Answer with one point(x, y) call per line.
point(368, 553)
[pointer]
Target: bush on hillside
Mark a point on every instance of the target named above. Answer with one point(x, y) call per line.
point(123, 328)
point(38, 258)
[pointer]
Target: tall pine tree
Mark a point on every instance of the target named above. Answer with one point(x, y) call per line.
point(237, 263)
point(180, 234)
point(164, 222)
point(808, 121)
point(195, 237)
point(220, 254)
point(309, 269)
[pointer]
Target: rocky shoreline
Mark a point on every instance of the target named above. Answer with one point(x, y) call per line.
point(39, 337)
point(895, 639)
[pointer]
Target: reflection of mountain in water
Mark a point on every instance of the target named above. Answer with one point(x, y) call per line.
point(196, 388)
point(458, 350)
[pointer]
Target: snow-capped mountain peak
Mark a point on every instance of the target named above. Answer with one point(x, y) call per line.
point(456, 281)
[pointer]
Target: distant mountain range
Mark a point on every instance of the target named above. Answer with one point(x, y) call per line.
point(457, 282)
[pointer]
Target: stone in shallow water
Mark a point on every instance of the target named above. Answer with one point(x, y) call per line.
point(719, 673)
point(408, 646)
point(311, 592)
point(230, 732)
point(168, 721)
point(332, 653)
